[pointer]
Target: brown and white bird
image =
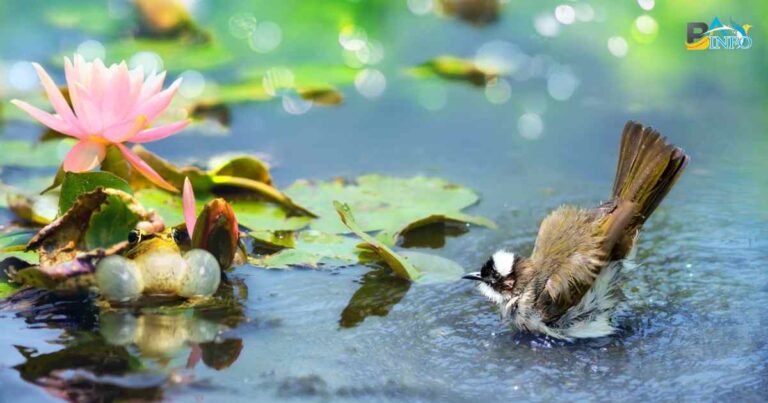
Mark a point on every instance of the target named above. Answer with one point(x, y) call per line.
point(570, 286)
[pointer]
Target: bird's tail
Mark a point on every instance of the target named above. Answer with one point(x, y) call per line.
point(648, 168)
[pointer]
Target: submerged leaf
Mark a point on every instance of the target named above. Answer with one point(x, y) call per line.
point(400, 266)
point(394, 205)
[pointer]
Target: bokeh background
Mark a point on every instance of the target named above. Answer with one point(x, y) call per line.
point(333, 88)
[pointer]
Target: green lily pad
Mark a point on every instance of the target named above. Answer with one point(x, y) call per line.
point(434, 269)
point(244, 174)
point(254, 214)
point(27, 154)
point(36, 209)
point(75, 184)
point(386, 203)
point(400, 266)
point(177, 55)
point(307, 249)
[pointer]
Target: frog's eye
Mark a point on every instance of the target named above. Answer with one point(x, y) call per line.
point(134, 237)
point(180, 236)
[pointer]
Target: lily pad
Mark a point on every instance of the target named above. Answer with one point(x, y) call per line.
point(453, 68)
point(434, 269)
point(307, 249)
point(177, 55)
point(253, 214)
point(386, 203)
point(27, 154)
point(36, 209)
point(400, 266)
point(243, 174)
point(75, 184)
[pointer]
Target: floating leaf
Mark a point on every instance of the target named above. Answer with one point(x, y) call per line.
point(253, 214)
point(434, 269)
point(453, 68)
point(308, 249)
point(386, 203)
point(36, 209)
point(27, 154)
point(180, 55)
point(75, 184)
point(250, 181)
point(15, 240)
point(167, 19)
point(400, 266)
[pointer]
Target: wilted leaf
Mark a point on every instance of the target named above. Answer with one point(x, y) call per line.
point(94, 219)
point(75, 184)
point(453, 68)
point(386, 203)
point(476, 12)
point(400, 266)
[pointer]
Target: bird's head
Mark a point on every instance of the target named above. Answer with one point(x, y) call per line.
point(496, 279)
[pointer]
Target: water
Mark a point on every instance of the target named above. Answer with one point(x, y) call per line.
point(694, 326)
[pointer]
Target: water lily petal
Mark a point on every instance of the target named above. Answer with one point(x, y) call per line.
point(55, 122)
point(159, 132)
point(188, 201)
point(124, 130)
point(84, 156)
point(60, 104)
point(158, 103)
point(116, 100)
point(72, 75)
point(145, 169)
point(150, 87)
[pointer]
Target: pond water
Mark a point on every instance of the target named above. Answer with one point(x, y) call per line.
point(694, 327)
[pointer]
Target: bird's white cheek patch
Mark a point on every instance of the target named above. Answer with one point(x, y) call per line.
point(492, 294)
point(503, 261)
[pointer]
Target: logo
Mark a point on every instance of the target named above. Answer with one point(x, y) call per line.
point(717, 36)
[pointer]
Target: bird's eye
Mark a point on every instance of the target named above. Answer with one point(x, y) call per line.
point(180, 236)
point(134, 237)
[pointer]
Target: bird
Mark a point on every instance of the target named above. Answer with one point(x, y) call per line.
point(570, 286)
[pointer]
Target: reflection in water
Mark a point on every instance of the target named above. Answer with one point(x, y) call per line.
point(379, 291)
point(433, 235)
point(98, 361)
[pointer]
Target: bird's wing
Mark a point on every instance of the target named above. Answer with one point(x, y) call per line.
point(569, 252)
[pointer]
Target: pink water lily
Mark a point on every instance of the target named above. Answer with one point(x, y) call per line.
point(110, 106)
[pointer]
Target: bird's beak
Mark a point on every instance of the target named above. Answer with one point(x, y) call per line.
point(473, 276)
